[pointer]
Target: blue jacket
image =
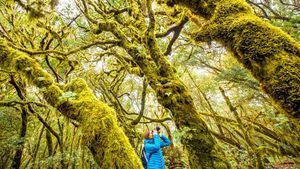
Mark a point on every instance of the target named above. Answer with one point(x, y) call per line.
point(153, 150)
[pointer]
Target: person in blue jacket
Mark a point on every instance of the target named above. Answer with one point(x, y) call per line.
point(153, 143)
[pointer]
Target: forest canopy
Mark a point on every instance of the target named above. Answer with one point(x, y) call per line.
point(82, 80)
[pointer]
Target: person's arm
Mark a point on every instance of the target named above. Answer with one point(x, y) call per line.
point(165, 141)
point(151, 148)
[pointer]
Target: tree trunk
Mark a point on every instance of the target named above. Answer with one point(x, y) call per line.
point(101, 133)
point(18, 155)
point(270, 54)
point(50, 148)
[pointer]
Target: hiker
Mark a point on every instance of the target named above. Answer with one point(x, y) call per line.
point(153, 143)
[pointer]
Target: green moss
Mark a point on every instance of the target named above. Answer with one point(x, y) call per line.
point(105, 139)
point(32, 71)
point(113, 147)
point(5, 55)
point(284, 86)
point(52, 94)
point(199, 7)
point(269, 53)
point(199, 143)
point(80, 87)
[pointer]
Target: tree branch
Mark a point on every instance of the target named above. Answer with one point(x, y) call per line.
point(84, 47)
point(143, 102)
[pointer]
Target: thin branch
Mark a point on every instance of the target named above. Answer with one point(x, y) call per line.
point(13, 103)
point(118, 11)
point(296, 7)
point(262, 9)
point(225, 139)
point(85, 11)
point(151, 119)
point(156, 120)
point(33, 12)
point(84, 47)
point(52, 69)
point(275, 13)
point(143, 102)
point(176, 29)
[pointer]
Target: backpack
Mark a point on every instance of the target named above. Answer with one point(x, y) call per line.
point(144, 158)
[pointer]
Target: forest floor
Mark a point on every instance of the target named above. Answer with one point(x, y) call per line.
point(284, 166)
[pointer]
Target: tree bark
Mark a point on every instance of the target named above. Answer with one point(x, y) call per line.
point(269, 53)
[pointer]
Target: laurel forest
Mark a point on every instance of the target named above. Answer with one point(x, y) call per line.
point(82, 80)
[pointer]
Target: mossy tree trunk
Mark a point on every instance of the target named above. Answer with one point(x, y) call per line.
point(271, 55)
point(126, 125)
point(173, 95)
point(101, 133)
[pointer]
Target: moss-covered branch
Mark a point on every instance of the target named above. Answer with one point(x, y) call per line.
point(36, 13)
point(177, 30)
point(269, 53)
point(101, 133)
point(143, 102)
point(57, 52)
